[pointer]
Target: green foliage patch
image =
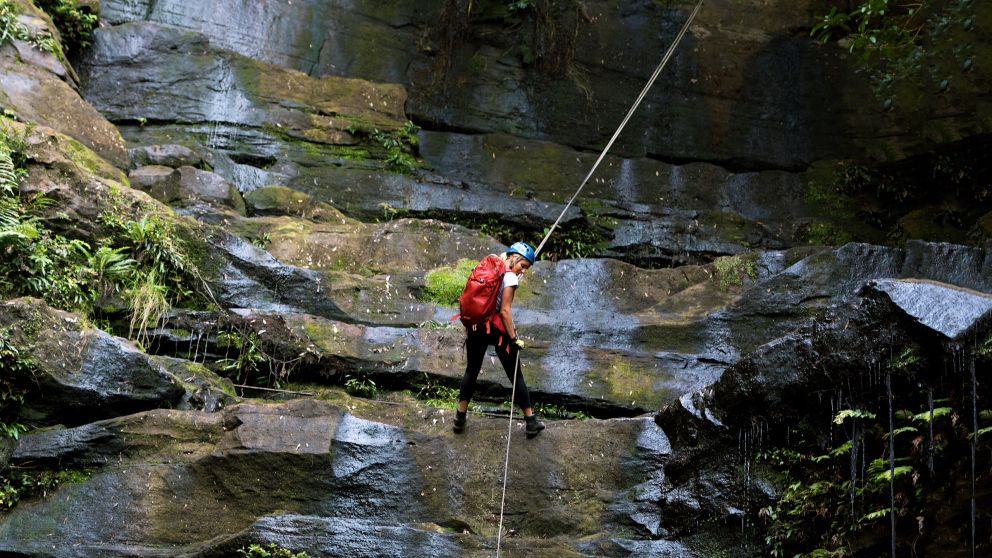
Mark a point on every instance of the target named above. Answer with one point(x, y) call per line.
point(17, 484)
point(734, 270)
point(360, 384)
point(74, 22)
point(11, 29)
point(399, 146)
point(140, 264)
point(841, 487)
point(246, 362)
point(436, 394)
point(270, 550)
point(445, 284)
point(14, 369)
point(927, 45)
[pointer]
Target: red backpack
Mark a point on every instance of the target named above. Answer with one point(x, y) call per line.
point(477, 302)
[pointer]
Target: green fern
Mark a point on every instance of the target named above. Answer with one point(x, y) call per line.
point(8, 173)
point(148, 304)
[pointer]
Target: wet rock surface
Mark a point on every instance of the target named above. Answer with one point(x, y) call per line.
point(313, 476)
point(644, 209)
point(313, 209)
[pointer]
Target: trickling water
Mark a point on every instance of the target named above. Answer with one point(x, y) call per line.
point(854, 464)
point(892, 463)
point(974, 443)
point(225, 108)
point(864, 463)
point(676, 183)
point(196, 349)
point(930, 449)
point(746, 462)
point(566, 359)
point(625, 184)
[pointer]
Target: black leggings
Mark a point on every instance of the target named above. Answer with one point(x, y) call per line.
point(476, 344)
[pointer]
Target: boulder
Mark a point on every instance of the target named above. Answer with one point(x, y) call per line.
point(915, 339)
point(312, 476)
point(161, 182)
point(197, 185)
point(171, 155)
point(40, 87)
point(951, 311)
point(81, 373)
point(283, 201)
point(227, 89)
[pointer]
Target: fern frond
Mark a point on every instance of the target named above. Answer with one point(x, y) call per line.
point(8, 173)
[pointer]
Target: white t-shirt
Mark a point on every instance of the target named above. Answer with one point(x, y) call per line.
point(510, 279)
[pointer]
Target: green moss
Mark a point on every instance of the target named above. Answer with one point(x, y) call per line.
point(823, 234)
point(733, 270)
point(444, 284)
point(87, 159)
point(627, 383)
point(933, 224)
point(17, 484)
point(322, 150)
point(730, 226)
point(325, 336)
point(11, 28)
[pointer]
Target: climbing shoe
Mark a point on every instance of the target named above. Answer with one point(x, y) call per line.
point(459, 424)
point(534, 426)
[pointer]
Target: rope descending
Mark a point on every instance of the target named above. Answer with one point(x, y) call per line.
point(654, 76)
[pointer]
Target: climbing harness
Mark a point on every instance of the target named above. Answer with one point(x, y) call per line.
point(654, 76)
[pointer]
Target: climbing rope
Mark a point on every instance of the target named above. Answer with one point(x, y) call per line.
point(506, 462)
point(654, 76)
point(513, 392)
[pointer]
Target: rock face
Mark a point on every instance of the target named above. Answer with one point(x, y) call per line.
point(81, 373)
point(276, 143)
point(802, 392)
point(697, 175)
point(311, 476)
point(40, 87)
point(742, 89)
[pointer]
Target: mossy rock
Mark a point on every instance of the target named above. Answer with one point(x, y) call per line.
point(982, 231)
point(445, 284)
point(930, 224)
point(280, 200)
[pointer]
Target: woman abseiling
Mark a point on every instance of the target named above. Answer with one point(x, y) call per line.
point(518, 257)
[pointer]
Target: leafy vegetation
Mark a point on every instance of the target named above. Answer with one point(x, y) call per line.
point(572, 241)
point(17, 484)
point(841, 488)
point(444, 285)
point(11, 29)
point(270, 550)
point(399, 145)
point(74, 22)
point(140, 263)
point(360, 384)
point(734, 270)
point(928, 44)
point(560, 412)
point(245, 366)
point(436, 394)
point(13, 369)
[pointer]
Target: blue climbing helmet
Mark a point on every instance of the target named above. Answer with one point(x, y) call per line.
point(524, 249)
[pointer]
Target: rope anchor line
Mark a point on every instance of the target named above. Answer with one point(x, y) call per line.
point(640, 97)
point(637, 102)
